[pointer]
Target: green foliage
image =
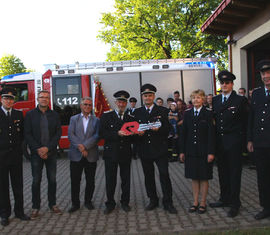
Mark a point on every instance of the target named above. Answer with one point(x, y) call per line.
point(10, 64)
point(158, 29)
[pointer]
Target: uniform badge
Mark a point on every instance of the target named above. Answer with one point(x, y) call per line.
point(16, 121)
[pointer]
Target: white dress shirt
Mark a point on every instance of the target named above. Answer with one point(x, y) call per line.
point(151, 107)
point(227, 96)
point(198, 110)
point(6, 111)
point(85, 121)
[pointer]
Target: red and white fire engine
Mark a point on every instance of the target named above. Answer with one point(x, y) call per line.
point(68, 83)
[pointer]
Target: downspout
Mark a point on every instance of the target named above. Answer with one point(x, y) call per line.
point(230, 53)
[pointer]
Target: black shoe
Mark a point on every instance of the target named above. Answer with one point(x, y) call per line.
point(202, 209)
point(89, 206)
point(170, 208)
point(151, 206)
point(262, 214)
point(126, 207)
point(23, 217)
point(233, 212)
point(73, 209)
point(108, 210)
point(4, 221)
point(218, 204)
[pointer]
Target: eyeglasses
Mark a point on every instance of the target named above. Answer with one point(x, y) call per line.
point(87, 105)
point(226, 82)
point(43, 97)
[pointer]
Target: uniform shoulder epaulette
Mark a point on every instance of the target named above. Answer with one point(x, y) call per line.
point(208, 109)
point(188, 109)
point(108, 111)
point(257, 88)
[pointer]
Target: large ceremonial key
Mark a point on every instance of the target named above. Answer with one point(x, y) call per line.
point(135, 127)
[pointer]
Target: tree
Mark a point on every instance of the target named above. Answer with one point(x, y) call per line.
point(158, 29)
point(10, 64)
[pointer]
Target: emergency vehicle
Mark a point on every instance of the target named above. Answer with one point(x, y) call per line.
point(69, 82)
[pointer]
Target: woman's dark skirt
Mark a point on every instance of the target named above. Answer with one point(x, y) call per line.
point(197, 168)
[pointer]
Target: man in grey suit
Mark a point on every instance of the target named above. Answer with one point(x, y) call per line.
point(83, 153)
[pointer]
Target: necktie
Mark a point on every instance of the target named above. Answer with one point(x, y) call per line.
point(196, 113)
point(224, 99)
point(268, 93)
point(9, 116)
point(148, 111)
point(121, 115)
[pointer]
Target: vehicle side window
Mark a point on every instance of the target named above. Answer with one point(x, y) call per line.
point(21, 92)
point(66, 98)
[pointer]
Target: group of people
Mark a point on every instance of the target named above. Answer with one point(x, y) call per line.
point(206, 133)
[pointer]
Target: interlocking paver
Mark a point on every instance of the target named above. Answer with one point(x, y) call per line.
point(138, 221)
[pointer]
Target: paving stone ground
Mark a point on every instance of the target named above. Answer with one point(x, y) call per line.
point(138, 221)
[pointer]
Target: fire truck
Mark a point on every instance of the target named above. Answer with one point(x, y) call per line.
point(69, 82)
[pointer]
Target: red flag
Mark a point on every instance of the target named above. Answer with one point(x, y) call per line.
point(101, 103)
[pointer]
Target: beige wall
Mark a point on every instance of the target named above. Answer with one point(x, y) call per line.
point(239, 54)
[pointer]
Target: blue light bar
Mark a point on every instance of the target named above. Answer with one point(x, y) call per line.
point(13, 75)
point(208, 63)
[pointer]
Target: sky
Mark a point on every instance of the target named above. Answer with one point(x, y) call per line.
point(53, 31)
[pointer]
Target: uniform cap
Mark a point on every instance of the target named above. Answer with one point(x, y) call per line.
point(148, 88)
point(263, 65)
point(8, 92)
point(121, 95)
point(132, 99)
point(226, 76)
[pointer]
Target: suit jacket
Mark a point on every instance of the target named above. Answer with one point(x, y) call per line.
point(259, 119)
point(89, 139)
point(153, 144)
point(230, 118)
point(197, 136)
point(11, 137)
point(116, 148)
point(32, 132)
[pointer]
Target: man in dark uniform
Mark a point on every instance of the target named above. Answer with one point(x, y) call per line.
point(259, 137)
point(117, 151)
point(230, 113)
point(131, 111)
point(154, 149)
point(132, 108)
point(11, 137)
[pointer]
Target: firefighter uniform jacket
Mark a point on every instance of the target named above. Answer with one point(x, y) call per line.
point(197, 137)
point(230, 118)
point(259, 119)
point(116, 148)
point(153, 144)
point(11, 137)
